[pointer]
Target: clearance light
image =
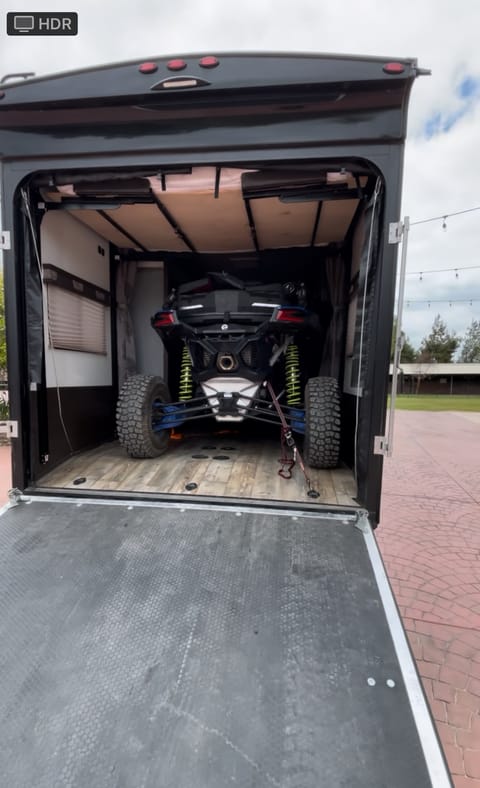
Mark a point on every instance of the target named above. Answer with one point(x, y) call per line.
point(176, 65)
point(208, 62)
point(148, 68)
point(163, 319)
point(394, 68)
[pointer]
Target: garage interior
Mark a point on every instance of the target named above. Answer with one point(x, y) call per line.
point(156, 231)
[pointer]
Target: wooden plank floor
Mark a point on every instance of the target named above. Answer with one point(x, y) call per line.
point(230, 467)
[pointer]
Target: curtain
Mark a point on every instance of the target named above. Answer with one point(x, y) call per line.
point(332, 352)
point(127, 364)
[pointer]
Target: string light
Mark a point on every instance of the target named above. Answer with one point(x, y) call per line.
point(449, 301)
point(445, 217)
point(421, 274)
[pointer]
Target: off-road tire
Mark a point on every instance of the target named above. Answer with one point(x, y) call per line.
point(134, 416)
point(322, 423)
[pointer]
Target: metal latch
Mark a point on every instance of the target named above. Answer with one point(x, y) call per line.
point(9, 428)
point(380, 445)
point(395, 232)
point(5, 241)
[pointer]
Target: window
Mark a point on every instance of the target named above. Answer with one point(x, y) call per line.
point(77, 313)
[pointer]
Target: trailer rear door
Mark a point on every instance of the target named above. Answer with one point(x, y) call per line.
point(169, 645)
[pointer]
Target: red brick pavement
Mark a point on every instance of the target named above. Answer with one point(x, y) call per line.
point(5, 473)
point(430, 540)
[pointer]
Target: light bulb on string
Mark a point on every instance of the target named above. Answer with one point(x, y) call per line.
point(444, 224)
point(456, 273)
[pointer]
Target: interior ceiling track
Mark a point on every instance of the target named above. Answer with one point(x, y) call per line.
point(215, 209)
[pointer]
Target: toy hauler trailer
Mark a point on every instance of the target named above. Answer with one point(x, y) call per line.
point(192, 617)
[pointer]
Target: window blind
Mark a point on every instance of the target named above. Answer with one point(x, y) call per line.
point(76, 322)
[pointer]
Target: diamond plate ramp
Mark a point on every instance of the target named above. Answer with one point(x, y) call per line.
point(159, 647)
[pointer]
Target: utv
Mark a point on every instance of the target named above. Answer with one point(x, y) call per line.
point(239, 349)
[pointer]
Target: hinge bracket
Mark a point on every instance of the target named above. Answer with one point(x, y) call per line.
point(9, 428)
point(362, 522)
point(5, 240)
point(380, 445)
point(395, 232)
point(14, 497)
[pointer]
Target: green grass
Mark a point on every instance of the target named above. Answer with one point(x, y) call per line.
point(438, 402)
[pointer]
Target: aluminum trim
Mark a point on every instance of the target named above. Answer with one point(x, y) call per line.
point(434, 758)
point(342, 518)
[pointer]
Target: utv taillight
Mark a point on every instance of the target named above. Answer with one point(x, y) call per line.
point(163, 319)
point(290, 316)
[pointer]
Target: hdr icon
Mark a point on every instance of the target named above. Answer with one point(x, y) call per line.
point(37, 23)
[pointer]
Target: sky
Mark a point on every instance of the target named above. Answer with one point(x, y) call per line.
point(442, 157)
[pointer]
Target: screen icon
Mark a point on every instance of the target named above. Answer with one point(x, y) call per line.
point(23, 24)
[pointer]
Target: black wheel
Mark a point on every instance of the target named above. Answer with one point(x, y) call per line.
point(322, 423)
point(139, 413)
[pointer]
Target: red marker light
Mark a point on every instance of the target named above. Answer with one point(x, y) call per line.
point(208, 62)
point(394, 68)
point(148, 68)
point(176, 65)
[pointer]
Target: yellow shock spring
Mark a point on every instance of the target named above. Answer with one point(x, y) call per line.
point(186, 383)
point(292, 375)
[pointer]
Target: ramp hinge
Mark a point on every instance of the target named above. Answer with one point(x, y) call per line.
point(362, 522)
point(380, 445)
point(395, 232)
point(9, 428)
point(5, 241)
point(14, 496)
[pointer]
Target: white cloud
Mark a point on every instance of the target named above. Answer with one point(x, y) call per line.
point(441, 173)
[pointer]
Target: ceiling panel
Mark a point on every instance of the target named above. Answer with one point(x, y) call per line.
point(335, 219)
point(96, 222)
point(148, 225)
point(280, 224)
point(212, 224)
point(145, 223)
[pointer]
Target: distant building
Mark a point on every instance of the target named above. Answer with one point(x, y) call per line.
point(433, 378)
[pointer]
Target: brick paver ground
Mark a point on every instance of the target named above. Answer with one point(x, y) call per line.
point(430, 540)
point(5, 473)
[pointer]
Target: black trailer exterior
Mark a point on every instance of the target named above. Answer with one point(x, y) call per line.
point(155, 640)
point(246, 109)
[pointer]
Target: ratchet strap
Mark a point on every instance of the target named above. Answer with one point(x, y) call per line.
point(288, 442)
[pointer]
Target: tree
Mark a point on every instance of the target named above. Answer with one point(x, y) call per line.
point(471, 344)
point(439, 346)
point(408, 354)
